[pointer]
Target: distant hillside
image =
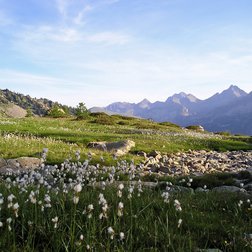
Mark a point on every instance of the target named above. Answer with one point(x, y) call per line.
point(230, 110)
point(15, 105)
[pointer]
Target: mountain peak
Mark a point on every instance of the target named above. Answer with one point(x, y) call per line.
point(144, 103)
point(178, 97)
point(234, 91)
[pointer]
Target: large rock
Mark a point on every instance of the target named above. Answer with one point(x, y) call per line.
point(119, 148)
point(29, 162)
point(19, 164)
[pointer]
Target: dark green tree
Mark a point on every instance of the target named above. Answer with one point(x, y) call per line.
point(81, 111)
point(56, 111)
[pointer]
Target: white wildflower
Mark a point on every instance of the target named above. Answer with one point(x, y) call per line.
point(179, 223)
point(15, 208)
point(103, 203)
point(55, 221)
point(9, 220)
point(120, 187)
point(89, 211)
point(111, 232)
point(177, 205)
point(122, 236)
point(165, 196)
point(103, 185)
point(32, 197)
point(240, 203)
point(11, 197)
point(76, 199)
point(90, 207)
point(119, 194)
point(78, 188)
point(102, 200)
point(47, 200)
point(139, 188)
point(120, 209)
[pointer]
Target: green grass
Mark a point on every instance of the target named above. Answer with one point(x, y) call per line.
point(66, 135)
point(209, 220)
point(148, 223)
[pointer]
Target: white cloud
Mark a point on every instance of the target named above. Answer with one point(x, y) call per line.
point(16, 77)
point(57, 34)
point(110, 38)
point(78, 20)
point(62, 6)
point(49, 33)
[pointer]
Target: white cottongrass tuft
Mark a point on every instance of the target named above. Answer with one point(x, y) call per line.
point(111, 232)
point(76, 199)
point(179, 223)
point(78, 188)
point(122, 236)
point(165, 196)
point(55, 221)
point(177, 205)
point(120, 209)
point(120, 187)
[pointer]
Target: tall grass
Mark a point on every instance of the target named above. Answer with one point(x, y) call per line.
point(148, 223)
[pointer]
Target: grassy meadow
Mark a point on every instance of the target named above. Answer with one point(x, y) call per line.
point(89, 203)
point(64, 136)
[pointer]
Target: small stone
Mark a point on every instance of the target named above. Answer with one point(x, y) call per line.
point(154, 168)
point(164, 169)
point(142, 154)
point(155, 154)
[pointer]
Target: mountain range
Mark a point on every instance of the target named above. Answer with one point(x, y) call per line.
point(230, 110)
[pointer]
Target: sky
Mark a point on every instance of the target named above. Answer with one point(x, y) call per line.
point(103, 51)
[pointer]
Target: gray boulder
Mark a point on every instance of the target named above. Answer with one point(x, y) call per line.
point(119, 148)
point(19, 164)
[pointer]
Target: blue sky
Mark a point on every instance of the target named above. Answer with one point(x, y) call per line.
point(101, 51)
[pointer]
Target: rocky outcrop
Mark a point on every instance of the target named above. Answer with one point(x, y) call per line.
point(19, 164)
point(119, 148)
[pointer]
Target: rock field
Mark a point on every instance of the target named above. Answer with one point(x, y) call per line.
point(196, 162)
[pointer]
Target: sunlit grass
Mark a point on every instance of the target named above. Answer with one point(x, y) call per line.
point(63, 136)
